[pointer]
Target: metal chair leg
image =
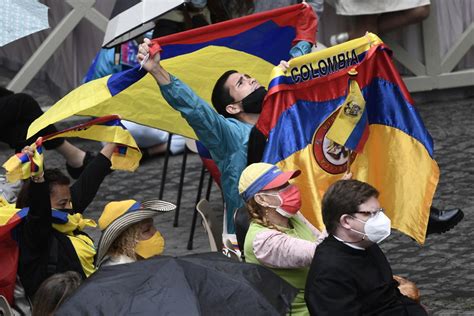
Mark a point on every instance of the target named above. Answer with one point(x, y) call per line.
point(209, 187)
point(180, 188)
point(165, 168)
point(195, 213)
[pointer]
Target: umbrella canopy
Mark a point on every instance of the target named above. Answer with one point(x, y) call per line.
point(131, 18)
point(202, 284)
point(19, 18)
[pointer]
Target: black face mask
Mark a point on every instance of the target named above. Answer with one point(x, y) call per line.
point(254, 101)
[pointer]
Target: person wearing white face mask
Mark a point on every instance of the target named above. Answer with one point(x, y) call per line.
point(279, 237)
point(349, 274)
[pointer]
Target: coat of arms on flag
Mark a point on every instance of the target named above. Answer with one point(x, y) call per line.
point(318, 117)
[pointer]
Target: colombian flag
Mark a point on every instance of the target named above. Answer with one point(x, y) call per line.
point(107, 129)
point(209, 163)
point(397, 159)
point(20, 166)
point(10, 218)
point(253, 44)
point(351, 126)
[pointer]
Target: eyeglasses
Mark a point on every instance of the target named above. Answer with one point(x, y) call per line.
point(373, 212)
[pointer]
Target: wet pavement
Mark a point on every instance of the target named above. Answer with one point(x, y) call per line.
point(443, 268)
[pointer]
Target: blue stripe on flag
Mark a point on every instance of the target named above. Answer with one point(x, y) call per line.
point(122, 150)
point(23, 158)
point(115, 122)
point(274, 40)
point(386, 106)
point(353, 140)
point(288, 130)
point(122, 80)
point(202, 150)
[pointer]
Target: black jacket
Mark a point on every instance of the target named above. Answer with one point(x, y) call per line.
point(256, 146)
point(43, 250)
point(347, 281)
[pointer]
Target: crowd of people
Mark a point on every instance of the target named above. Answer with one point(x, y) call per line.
point(338, 271)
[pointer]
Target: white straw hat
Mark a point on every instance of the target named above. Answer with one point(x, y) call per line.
point(119, 215)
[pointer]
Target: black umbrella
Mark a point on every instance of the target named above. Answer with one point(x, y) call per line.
point(131, 18)
point(202, 284)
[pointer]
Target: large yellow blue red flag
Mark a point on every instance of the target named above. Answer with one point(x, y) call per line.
point(302, 105)
point(10, 218)
point(126, 156)
point(253, 44)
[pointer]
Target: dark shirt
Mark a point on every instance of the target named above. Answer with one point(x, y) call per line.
point(256, 146)
point(85, 188)
point(347, 281)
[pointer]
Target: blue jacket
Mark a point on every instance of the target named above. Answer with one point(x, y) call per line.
point(225, 138)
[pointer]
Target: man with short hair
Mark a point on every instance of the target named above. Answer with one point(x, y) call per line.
point(349, 274)
point(229, 134)
point(238, 100)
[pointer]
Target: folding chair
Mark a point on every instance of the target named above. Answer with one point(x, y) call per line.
point(190, 147)
point(211, 167)
point(165, 168)
point(203, 208)
point(198, 198)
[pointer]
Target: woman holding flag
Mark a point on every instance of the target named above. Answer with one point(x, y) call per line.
point(51, 237)
point(238, 99)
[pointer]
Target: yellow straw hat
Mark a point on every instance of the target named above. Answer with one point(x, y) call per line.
point(119, 215)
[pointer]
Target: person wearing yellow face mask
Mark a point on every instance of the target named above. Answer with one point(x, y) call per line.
point(128, 233)
point(50, 235)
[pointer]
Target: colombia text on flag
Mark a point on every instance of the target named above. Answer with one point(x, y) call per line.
point(397, 159)
point(252, 44)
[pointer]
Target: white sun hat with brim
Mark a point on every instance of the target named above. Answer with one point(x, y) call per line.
point(120, 215)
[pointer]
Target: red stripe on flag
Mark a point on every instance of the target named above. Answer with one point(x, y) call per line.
point(329, 88)
point(298, 14)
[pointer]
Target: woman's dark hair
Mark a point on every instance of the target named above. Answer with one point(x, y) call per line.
point(221, 96)
point(344, 197)
point(52, 176)
point(54, 291)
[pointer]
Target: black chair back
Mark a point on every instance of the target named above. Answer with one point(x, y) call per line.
point(242, 223)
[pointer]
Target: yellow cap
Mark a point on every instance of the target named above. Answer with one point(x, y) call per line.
point(262, 176)
point(114, 210)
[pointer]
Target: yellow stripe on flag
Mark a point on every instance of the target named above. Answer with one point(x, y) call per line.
point(349, 115)
point(143, 103)
point(389, 151)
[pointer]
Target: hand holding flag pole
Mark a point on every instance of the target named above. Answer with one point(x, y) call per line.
point(28, 163)
point(107, 128)
point(154, 48)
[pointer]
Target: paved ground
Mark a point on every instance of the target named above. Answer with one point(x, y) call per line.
point(443, 268)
